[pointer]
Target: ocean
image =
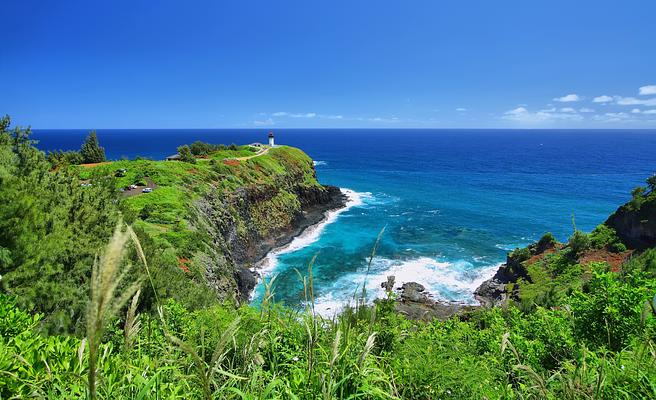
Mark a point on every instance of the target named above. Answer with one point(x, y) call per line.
point(452, 203)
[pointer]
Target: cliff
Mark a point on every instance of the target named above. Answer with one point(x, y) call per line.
point(549, 269)
point(216, 218)
point(636, 226)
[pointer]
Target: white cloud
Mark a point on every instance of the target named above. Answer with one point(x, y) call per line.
point(613, 117)
point(647, 90)
point(586, 110)
point(517, 111)
point(522, 114)
point(602, 99)
point(266, 122)
point(650, 112)
point(636, 111)
point(568, 98)
point(461, 109)
point(632, 101)
point(294, 115)
point(567, 110)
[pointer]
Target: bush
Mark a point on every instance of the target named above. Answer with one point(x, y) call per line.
point(617, 247)
point(546, 241)
point(199, 148)
point(604, 236)
point(186, 155)
point(610, 311)
point(637, 198)
point(578, 243)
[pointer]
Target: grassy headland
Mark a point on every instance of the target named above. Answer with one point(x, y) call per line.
point(572, 320)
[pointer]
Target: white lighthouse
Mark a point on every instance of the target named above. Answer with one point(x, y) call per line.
point(271, 140)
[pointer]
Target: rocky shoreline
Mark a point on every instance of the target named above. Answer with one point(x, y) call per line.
point(415, 303)
point(315, 205)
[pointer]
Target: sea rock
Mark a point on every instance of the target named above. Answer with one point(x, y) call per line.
point(389, 284)
point(414, 292)
point(415, 303)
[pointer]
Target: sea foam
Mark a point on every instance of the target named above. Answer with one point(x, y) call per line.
point(448, 281)
point(311, 234)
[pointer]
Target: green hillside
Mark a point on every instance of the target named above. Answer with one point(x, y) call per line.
point(96, 302)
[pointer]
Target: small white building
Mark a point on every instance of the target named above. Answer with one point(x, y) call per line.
point(271, 140)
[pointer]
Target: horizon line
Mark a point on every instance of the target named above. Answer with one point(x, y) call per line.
point(347, 128)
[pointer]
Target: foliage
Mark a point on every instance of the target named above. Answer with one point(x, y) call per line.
point(610, 311)
point(547, 240)
point(574, 331)
point(651, 183)
point(637, 198)
point(91, 152)
point(604, 236)
point(186, 154)
point(65, 158)
point(50, 230)
point(578, 243)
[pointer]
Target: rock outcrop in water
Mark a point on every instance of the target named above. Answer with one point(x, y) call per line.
point(415, 303)
point(636, 228)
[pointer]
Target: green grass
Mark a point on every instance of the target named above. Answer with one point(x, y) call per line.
point(163, 213)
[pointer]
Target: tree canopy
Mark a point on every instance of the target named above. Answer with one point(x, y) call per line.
point(91, 151)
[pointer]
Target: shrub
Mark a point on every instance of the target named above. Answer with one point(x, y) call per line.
point(604, 236)
point(637, 198)
point(186, 155)
point(546, 241)
point(578, 243)
point(199, 148)
point(610, 311)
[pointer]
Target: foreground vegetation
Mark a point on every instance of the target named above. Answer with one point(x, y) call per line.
point(91, 309)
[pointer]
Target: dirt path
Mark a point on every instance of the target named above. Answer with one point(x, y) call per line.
point(260, 153)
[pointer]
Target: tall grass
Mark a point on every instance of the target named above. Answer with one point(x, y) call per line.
point(366, 352)
point(108, 275)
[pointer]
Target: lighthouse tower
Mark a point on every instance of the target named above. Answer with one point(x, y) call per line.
point(271, 140)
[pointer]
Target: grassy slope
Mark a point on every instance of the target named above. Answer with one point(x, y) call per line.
point(163, 213)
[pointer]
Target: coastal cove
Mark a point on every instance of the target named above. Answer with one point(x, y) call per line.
point(453, 202)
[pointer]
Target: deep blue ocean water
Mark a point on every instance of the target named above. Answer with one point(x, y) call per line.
point(452, 202)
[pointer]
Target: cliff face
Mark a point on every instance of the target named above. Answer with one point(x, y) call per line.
point(636, 228)
point(634, 225)
point(243, 225)
point(501, 287)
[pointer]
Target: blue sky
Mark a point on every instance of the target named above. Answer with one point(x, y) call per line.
point(373, 64)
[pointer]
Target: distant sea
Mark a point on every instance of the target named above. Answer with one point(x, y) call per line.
point(452, 202)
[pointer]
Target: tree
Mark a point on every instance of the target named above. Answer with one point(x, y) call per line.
point(63, 158)
point(51, 229)
point(91, 151)
point(651, 183)
point(199, 148)
point(637, 198)
point(186, 155)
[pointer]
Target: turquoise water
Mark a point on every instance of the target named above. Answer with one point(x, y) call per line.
point(452, 202)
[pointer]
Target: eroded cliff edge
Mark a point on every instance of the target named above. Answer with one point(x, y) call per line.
point(244, 224)
point(546, 269)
